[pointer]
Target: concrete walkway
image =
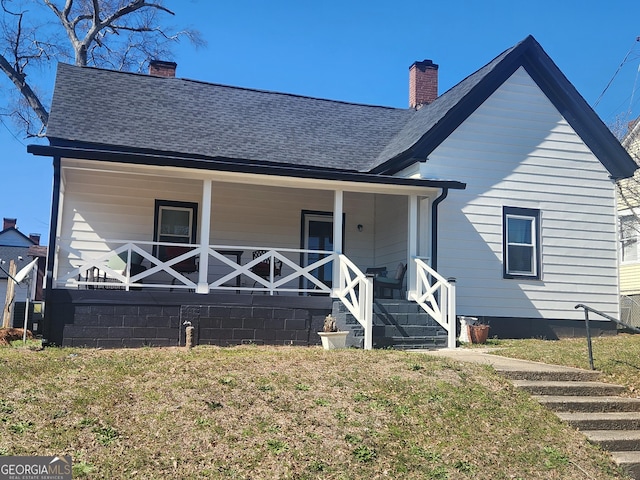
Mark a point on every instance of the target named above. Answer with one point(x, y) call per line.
point(482, 356)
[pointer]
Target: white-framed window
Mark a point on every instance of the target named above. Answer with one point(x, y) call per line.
point(521, 242)
point(629, 238)
point(174, 222)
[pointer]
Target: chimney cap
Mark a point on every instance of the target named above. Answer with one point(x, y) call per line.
point(424, 64)
point(163, 63)
point(162, 68)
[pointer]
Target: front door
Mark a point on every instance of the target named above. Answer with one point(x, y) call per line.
point(318, 235)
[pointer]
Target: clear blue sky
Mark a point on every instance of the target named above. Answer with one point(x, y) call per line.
point(360, 51)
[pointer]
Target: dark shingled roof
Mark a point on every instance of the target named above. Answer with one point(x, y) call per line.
point(189, 117)
point(126, 111)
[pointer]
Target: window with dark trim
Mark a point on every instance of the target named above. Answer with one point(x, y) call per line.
point(521, 242)
point(174, 222)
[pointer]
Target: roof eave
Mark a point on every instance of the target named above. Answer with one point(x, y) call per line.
point(234, 165)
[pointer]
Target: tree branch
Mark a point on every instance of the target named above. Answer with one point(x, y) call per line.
point(25, 89)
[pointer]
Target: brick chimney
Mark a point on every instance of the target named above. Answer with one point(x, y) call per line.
point(35, 238)
point(423, 83)
point(160, 68)
point(9, 223)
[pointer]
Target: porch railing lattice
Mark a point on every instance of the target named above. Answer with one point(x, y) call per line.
point(437, 297)
point(355, 290)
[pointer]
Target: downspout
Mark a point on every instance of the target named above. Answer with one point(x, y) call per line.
point(434, 227)
point(51, 255)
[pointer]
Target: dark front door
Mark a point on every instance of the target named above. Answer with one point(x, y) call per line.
point(318, 235)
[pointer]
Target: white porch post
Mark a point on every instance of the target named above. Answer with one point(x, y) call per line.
point(338, 205)
point(205, 228)
point(412, 245)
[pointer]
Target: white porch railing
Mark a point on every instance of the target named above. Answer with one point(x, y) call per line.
point(437, 297)
point(117, 264)
point(356, 293)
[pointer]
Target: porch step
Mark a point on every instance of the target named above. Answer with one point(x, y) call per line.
point(397, 324)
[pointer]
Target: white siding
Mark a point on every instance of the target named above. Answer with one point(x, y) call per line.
point(517, 150)
point(103, 205)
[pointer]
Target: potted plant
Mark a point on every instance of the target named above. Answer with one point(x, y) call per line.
point(478, 332)
point(330, 336)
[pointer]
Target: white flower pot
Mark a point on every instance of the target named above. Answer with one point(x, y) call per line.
point(331, 340)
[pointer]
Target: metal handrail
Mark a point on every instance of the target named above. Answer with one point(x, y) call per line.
point(588, 309)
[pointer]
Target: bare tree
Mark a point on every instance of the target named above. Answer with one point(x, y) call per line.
point(116, 34)
point(628, 190)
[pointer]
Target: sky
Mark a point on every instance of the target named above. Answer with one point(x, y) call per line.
point(360, 51)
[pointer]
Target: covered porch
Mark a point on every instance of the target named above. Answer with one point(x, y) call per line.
point(171, 231)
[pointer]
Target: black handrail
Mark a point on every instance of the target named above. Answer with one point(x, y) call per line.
point(588, 309)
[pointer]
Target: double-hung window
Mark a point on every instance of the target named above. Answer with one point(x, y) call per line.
point(174, 222)
point(629, 238)
point(521, 242)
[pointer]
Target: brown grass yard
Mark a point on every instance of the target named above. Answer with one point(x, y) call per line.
point(291, 413)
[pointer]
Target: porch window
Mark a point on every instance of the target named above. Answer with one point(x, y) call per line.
point(629, 238)
point(521, 242)
point(174, 222)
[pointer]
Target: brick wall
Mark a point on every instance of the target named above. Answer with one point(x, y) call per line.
point(113, 319)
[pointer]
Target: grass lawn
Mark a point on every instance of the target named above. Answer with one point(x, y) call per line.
point(266, 412)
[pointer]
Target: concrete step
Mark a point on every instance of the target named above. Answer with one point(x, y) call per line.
point(566, 375)
point(410, 343)
point(407, 331)
point(567, 403)
point(541, 387)
point(602, 420)
point(630, 461)
point(615, 440)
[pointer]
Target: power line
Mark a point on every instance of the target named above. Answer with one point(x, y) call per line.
point(624, 60)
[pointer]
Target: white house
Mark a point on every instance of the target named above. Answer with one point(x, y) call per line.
point(253, 214)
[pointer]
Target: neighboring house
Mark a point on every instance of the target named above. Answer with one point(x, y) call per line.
point(15, 246)
point(629, 217)
point(252, 214)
